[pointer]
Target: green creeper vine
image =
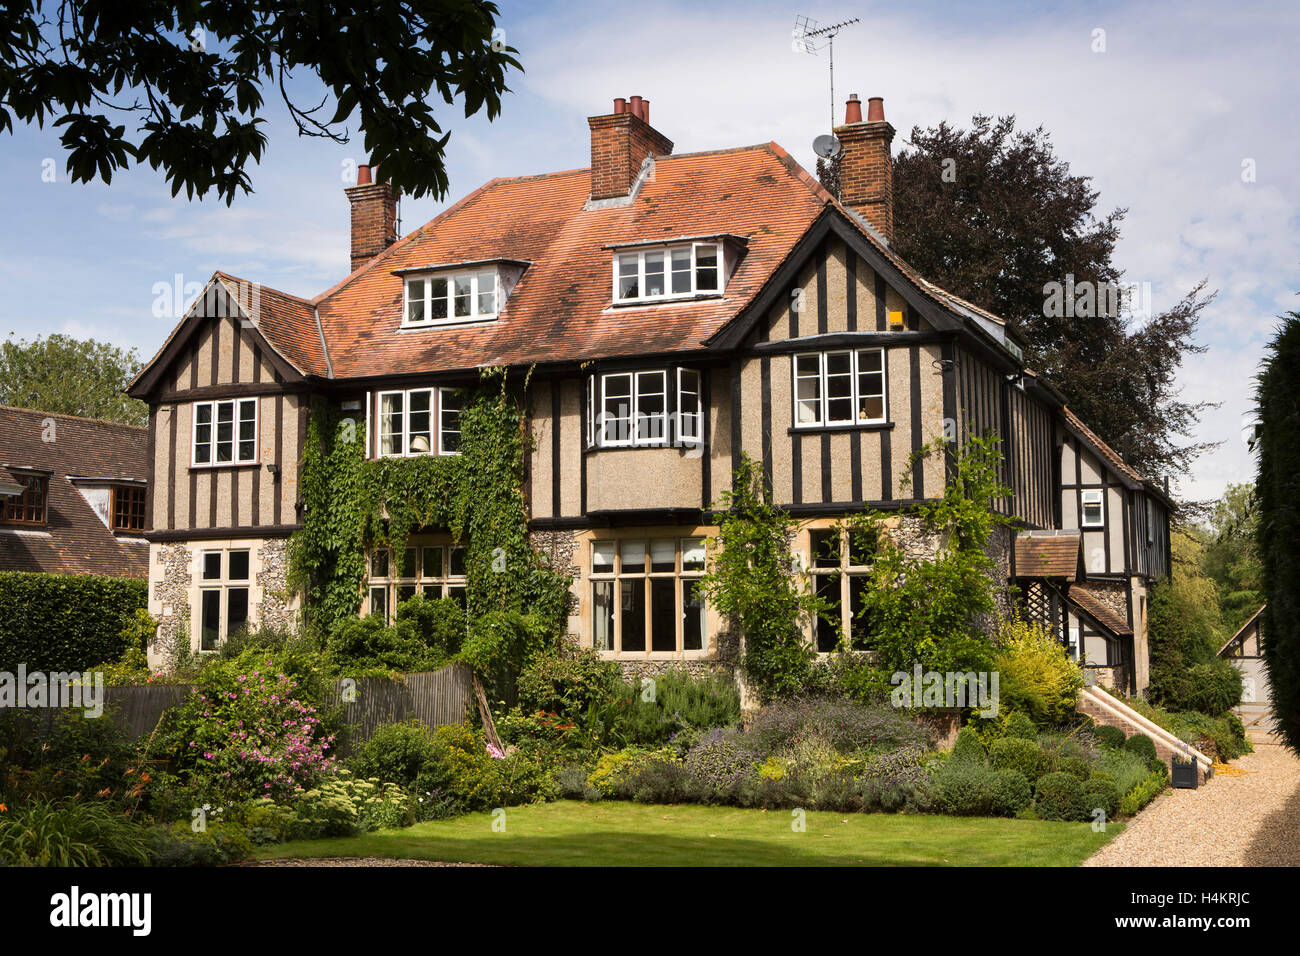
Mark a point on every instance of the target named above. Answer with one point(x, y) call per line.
point(352, 506)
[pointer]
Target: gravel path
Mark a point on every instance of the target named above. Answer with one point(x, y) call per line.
point(1247, 820)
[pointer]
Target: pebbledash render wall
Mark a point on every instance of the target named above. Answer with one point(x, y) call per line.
point(174, 586)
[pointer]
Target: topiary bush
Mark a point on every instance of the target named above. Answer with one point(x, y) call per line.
point(1015, 753)
point(1011, 793)
point(1144, 747)
point(1109, 736)
point(964, 788)
point(1019, 725)
point(1060, 797)
point(1101, 794)
point(968, 748)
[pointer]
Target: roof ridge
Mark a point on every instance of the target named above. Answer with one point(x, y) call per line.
point(260, 285)
point(78, 418)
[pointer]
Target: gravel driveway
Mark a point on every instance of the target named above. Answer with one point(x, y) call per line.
point(1247, 820)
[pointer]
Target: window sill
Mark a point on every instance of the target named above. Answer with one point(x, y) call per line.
point(665, 300)
point(448, 323)
point(226, 465)
point(851, 427)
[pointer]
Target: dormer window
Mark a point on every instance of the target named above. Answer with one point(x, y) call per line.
point(451, 297)
point(28, 506)
point(668, 272)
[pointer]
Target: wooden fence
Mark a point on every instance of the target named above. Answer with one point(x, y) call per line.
point(436, 697)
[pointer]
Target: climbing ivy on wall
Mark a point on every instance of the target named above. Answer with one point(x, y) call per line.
point(352, 506)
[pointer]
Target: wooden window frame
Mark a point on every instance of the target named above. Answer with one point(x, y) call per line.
point(392, 581)
point(138, 496)
point(17, 507)
point(1085, 499)
point(667, 251)
point(845, 570)
point(236, 420)
point(223, 584)
point(856, 395)
point(680, 576)
point(426, 280)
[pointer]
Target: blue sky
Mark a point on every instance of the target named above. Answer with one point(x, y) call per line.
point(1162, 120)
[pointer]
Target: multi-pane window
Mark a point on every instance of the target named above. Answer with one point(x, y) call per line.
point(627, 409)
point(128, 508)
point(455, 297)
point(406, 422)
point(431, 570)
point(223, 596)
point(646, 597)
point(1093, 515)
point(666, 273)
point(29, 506)
point(839, 563)
point(839, 388)
point(225, 433)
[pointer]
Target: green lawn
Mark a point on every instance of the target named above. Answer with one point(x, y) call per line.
point(571, 833)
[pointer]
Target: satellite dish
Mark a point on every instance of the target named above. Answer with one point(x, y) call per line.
point(827, 146)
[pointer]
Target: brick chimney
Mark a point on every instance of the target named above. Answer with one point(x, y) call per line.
point(866, 168)
point(374, 217)
point(620, 142)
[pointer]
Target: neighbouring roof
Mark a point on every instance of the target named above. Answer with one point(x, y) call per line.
point(1241, 631)
point(74, 540)
point(1048, 554)
point(1088, 602)
point(1111, 455)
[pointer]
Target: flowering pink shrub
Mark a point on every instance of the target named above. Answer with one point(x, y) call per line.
point(251, 731)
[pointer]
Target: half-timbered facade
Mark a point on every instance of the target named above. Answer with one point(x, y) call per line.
point(675, 312)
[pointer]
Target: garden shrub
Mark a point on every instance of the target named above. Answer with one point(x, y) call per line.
point(1058, 748)
point(1011, 793)
point(1076, 766)
point(79, 757)
point(1144, 747)
point(395, 753)
point(964, 788)
point(44, 832)
point(438, 624)
point(849, 726)
point(571, 781)
point(1037, 677)
point(664, 781)
point(367, 643)
point(719, 762)
point(566, 685)
point(456, 776)
point(968, 748)
point(250, 728)
point(66, 622)
point(179, 845)
point(1215, 687)
point(1019, 726)
point(1060, 797)
point(1019, 754)
point(1101, 794)
point(1144, 792)
point(906, 765)
point(614, 770)
point(500, 645)
point(345, 805)
point(1127, 769)
point(1109, 736)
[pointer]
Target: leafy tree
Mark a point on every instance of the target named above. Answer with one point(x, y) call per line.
point(71, 377)
point(1230, 558)
point(1278, 487)
point(192, 77)
point(1186, 630)
point(934, 610)
point(752, 581)
point(1008, 221)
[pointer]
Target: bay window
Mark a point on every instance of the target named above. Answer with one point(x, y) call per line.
point(646, 596)
point(656, 407)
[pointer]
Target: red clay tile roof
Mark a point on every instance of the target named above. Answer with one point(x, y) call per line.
point(287, 322)
point(561, 308)
point(74, 540)
point(1098, 610)
point(1049, 554)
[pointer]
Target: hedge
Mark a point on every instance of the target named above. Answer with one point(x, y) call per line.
point(64, 622)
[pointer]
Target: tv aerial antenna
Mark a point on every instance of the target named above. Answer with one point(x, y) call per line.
point(809, 38)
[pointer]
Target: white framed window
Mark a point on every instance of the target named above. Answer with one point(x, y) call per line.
point(646, 597)
point(433, 570)
point(839, 564)
point(626, 409)
point(668, 272)
point(839, 388)
point(1093, 515)
point(406, 422)
point(224, 433)
point(690, 414)
point(449, 298)
point(223, 596)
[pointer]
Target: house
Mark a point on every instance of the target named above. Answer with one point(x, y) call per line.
point(73, 495)
point(675, 310)
point(1245, 651)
